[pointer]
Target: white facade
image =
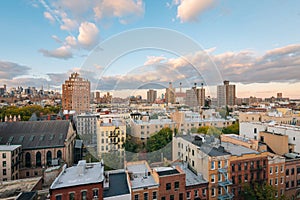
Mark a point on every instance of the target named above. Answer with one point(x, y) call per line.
point(86, 126)
point(252, 129)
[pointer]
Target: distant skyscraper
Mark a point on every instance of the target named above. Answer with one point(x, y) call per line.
point(151, 96)
point(195, 97)
point(170, 94)
point(76, 94)
point(226, 94)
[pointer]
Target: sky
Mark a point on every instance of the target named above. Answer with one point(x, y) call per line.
point(139, 44)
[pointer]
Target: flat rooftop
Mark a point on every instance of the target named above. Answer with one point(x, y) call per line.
point(140, 177)
point(83, 173)
point(13, 188)
point(118, 184)
point(237, 150)
point(9, 147)
point(191, 178)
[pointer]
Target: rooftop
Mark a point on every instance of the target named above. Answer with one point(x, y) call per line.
point(118, 184)
point(35, 134)
point(190, 177)
point(237, 150)
point(140, 176)
point(83, 173)
point(208, 146)
point(9, 147)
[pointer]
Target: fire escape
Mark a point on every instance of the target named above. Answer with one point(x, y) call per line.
point(114, 140)
point(224, 184)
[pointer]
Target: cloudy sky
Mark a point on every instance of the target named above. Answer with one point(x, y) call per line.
point(132, 44)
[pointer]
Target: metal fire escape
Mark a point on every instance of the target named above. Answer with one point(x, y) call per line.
point(224, 184)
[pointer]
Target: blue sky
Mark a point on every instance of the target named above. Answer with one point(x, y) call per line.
point(255, 44)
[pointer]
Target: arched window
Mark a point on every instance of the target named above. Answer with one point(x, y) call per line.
point(59, 154)
point(38, 159)
point(255, 130)
point(49, 158)
point(27, 160)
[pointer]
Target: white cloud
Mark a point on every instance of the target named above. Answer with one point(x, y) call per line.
point(68, 24)
point(48, 16)
point(71, 41)
point(154, 60)
point(63, 52)
point(124, 10)
point(189, 10)
point(88, 34)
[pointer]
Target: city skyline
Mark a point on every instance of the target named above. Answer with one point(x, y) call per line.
point(253, 44)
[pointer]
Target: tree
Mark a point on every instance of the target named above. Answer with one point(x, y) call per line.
point(232, 129)
point(260, 192)
point(203, 129)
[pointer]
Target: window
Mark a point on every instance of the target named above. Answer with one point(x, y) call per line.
point(171, 197)
point(72, 196)
point(219, 164)
point(287, 184)
point(58, 197)
point(212, 165)
point(276, 169)
point(3, 155)
point(4, 163)
point(219, 177)
point(232, 167)
point(271, 170)
point(163, 198)
point(38, 159)
point(239, 167)
point(196, 193)
point(213, 192)
point(292, 171)
point(276, 181)
point(292, 183)
point(4, 172)
point(83, 195)
point(233, 179)
point(154, 195)
point(281, 168)
point(281, 180)
point(95, 192)
point(219, 191)
point(27, 160)
point(193, 153)
point(298, 170)
point(271, 181)
point(204, 192)
point(168, 186)
point(240, 178)
point(136, 197)
point(298, 182)
point(255, 130)
point(287, 172)
point(246, 177)
point(245, 166)
point(176, 185)
point(181, 196)
point(188, 195)
point(212, 178)
point(146, 196)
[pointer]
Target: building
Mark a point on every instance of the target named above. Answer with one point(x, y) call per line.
point(255, 130)
point(226, 94)
point(111, 134)
point(204, 155)
point(84, 181)
point(76, 94)
point(170, 94)
point(171, 181)
point(142, 182)
point(86, 126)
point(195, 97)
point(10, 159)
point(151, 96)
point(292, 172)
point(44, 143)
point(142, 127)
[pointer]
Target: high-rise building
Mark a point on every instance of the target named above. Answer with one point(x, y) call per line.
point(195, 96)
point(76, 94)
point(151, 96)
point(226, 94)
point(170, 94)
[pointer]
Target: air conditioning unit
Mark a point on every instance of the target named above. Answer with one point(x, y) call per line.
point(95, 198)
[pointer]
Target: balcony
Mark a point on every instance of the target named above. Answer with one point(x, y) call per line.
point(226, 196)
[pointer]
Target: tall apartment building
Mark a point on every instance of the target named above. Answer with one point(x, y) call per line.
point(226, 94)
point(195, 97)
point(170, 94)
point(151, 96)
point(10, 158)
point(76, 94)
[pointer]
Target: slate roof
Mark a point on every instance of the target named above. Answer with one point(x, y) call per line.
point(34, 134)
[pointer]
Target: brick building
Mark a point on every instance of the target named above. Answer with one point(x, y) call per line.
point(44, 143)
point(10, 159)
